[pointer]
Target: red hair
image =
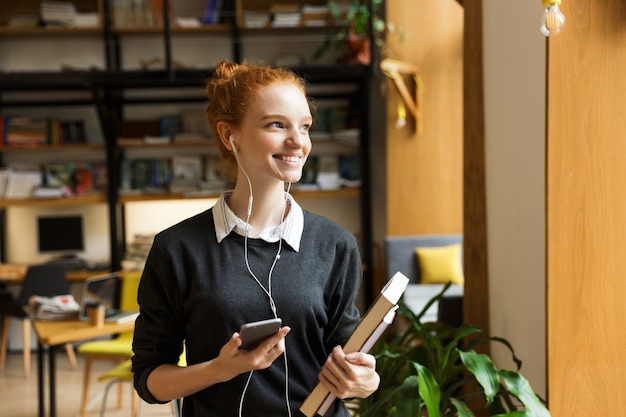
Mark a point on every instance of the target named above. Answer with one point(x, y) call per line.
point(232, 89)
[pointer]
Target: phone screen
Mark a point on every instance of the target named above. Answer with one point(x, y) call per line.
point(252, 334)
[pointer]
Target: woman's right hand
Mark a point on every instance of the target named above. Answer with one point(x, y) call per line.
point(233, 361)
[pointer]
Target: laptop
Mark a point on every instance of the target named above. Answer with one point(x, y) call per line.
point(105, 290)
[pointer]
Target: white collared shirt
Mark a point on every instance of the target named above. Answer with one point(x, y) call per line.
point(290, 229)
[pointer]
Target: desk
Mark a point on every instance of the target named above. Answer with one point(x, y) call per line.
point(54, 333)
point(11, 274)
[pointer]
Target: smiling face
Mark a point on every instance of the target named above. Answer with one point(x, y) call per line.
point(273, 140)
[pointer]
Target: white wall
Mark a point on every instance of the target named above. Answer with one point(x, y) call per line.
point(154, 216)
point(22, 232)
point(514, 62)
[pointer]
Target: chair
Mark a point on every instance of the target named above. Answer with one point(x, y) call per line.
point(123, 373)
point(119, 348)
point(46, 280)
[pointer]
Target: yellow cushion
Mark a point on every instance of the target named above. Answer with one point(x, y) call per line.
point(130, 285)
point(440, 264)
point(122, 345)
point(121, 372)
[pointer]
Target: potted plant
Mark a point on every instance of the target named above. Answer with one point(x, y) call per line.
point(431, 369)
point(355, 37)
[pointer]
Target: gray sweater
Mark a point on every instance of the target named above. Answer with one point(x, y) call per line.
point(198, 291)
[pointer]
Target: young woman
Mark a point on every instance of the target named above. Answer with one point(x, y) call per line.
point(255, 255)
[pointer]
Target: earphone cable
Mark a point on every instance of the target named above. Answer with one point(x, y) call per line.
point(268, 291)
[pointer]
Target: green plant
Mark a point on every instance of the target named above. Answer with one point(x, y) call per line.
point(432, 369)
point(358, 15)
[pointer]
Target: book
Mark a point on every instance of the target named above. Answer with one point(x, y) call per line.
point(170, 125)
point(100, 175)
point(370, 328)
point(58, 174)
point(72, 131)
point(309, 171)
point(20, 184)
point(25, 131)
point(187, 167)
point(315, 15)
point(211, 14)
point(4, 174)
point(48, 192)
point(369, 344)
point(156, 140)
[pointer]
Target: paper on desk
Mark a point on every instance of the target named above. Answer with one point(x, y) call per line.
point(52, 308)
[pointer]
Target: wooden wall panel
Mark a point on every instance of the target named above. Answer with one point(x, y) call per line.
point(424, 171)
point(476, 300)
point(586, 211)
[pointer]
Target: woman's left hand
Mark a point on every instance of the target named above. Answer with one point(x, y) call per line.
point(351, 375)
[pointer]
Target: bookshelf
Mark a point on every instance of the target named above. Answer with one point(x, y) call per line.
point(107, 80)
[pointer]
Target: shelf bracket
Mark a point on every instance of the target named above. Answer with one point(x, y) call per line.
point(398, 72)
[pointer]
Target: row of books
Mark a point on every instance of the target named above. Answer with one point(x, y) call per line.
point(332, 119)
point(51, 180)
point(17, 131)
point(137, 252)
point(178, 174)
point(187, 126)
point(198, 173)
point(139, 13)
point(284, 14)
point(54, 14)
point(330, 172)
point(149, 14)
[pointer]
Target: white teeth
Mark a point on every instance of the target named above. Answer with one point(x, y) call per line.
point(290, 158)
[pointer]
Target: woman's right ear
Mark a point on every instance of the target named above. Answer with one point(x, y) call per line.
point(224, 132)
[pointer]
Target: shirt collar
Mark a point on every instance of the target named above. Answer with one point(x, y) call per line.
point(226, 221)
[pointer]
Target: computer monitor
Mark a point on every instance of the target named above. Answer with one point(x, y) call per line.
point(60, 235)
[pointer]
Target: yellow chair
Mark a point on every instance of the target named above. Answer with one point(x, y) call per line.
point(123, 373)
point(118, 348)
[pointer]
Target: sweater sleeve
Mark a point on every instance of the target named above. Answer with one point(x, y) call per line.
point(158, 336)
point(344, 314)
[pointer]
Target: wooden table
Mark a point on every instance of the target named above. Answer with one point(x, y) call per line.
point(11, 274)
point(54, 333)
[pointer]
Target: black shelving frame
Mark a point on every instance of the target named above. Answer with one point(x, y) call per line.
point(106, 91)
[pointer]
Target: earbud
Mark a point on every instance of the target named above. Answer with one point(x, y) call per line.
point(232, 143)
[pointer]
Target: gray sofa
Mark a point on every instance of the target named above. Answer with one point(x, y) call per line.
point(400, 256)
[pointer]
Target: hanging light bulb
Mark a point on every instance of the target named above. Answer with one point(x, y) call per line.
point(552, 19)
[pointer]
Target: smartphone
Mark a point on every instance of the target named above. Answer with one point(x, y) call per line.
point(252, 334)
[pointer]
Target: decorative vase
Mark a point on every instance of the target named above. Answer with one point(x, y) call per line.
point(358, 50)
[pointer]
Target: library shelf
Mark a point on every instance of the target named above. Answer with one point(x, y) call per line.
point(92, 198)
point(352, 192)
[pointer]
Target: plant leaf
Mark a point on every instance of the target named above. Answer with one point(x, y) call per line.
point(432, 301)
point(429, 390)
point(462, 408)
point(407, 405)
point(503, 341)
point(520, 386)
point(408, 389)
point(514, 358)
point(334, 9)
point(484, 370)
